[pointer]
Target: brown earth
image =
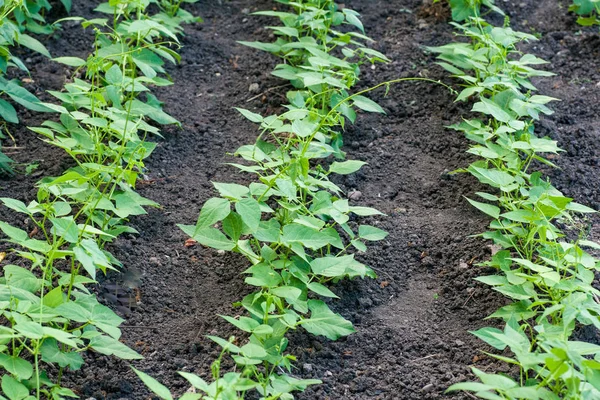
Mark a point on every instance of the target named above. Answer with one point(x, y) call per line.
point(413, 321)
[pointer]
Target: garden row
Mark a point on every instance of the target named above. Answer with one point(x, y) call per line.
point(540, 264)
point(49, 316)
point(292, 223)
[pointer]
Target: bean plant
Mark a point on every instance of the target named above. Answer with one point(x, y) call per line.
point(292, 223)
point(15, 17)
point(462, 10)
point(50, 314)
point(588, 12)
point(545, 273)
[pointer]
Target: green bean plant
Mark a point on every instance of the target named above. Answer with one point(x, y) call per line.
point(322, 59)
point(30, 15)
point(462, 10)
point(50, 316)
point(11, 35)
point(588, 12)
point(292, 223)
point(547, 275)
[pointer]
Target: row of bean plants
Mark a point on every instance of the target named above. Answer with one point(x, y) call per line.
point(50, 317)
point(292, 223)
point(587, 11)
point(542, 267)
point(17, 17)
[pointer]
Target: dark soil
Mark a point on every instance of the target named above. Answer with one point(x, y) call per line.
point(413, 321)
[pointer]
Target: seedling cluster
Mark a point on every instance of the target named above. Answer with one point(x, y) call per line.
point(291, 222)
point(103, 118)
point(547, 275)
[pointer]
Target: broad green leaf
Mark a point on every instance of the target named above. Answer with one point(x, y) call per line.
point(33, 44)
point(486, 335)
point(8, 112)
point(325, 322)
point(159, 389)
point(253, 117)
point(489, 209)
point(330, 266)
point(489, 107)
point(346, 167)
point(110, 346)
point(372, 233)
point(367, 104)
point(311, 238)
point(52, 354)
point(249, 210)
point(20, 368)
point(214, 210)
point(70, 61)
point(14, 389)
point(208, 236)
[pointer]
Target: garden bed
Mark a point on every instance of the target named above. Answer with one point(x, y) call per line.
point(412, 322)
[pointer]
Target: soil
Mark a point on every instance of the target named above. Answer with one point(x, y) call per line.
point(413, 320)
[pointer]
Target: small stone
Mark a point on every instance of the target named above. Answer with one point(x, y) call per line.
point(463, 265)
point(355, 195)
point(220, 252)
point(428, 388)
point(459, 342)
point(327, 374)
point(254, 88)
point(154, 260)
point(245, 11)
point(218, 74)
point(307, 367)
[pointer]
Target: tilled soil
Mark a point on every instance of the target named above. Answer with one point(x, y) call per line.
point(413, 321)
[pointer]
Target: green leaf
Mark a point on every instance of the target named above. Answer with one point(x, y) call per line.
point(249, 210)
point(30, 329)
point(321, 290)
point(488, 107)
point(33, 44)
point(232, 190)
point(489, 209)
point(70, 61)
point(346, 167)
point(330, 266)
point(17, 366)
point(14, 389)
point(352, 18)
point(372, 233)
point(195, 381)
point(8, 112)
point(208, 236)
point(112, 347)
point(308, 237)
point(159, 389)
point(324, 322)
point(257, 118)
point(213, 211)
point(367, 104)
point(488, 335)
point(52, 354)
point(21, 278)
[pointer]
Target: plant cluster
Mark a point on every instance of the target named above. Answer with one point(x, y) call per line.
point(292, 223)
point(463, 10)
point(588, 12)
point(544, 272)
point(17, 16)
point(49, 315)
